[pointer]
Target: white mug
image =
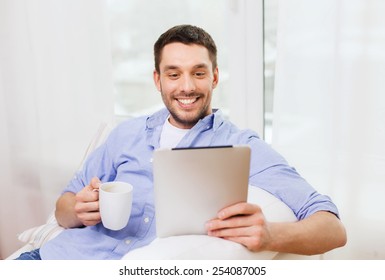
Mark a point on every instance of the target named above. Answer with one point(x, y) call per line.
point(115, 203)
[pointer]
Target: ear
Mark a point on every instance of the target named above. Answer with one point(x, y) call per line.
point(156, 77)
point(215, 77)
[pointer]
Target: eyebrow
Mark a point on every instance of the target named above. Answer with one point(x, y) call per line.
point(174, 67)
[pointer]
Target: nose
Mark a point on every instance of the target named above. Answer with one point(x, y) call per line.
point(187, 84)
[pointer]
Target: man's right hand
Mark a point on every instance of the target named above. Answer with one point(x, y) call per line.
point(81, 209)
point(87, 203)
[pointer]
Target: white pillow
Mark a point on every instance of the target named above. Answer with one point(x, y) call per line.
point(37, 236)
point(195, 247)
point(205, 247)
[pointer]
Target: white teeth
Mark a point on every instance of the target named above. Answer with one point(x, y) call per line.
point(186, 101)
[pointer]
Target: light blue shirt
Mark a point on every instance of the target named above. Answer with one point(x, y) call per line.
point(127, 156)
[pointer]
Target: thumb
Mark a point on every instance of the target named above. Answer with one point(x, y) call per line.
point(95, 183)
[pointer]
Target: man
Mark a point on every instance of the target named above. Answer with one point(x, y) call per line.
point(186, 74)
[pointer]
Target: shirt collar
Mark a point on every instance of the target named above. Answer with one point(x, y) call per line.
point(213, 120)
point(157, 119)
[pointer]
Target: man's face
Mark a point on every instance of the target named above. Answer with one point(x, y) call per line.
point(186, 82)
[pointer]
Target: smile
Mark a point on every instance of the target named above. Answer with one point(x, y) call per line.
point(187, 101)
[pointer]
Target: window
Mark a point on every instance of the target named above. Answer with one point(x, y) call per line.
point(136, 25)
point(237, 28)
point(270, 32)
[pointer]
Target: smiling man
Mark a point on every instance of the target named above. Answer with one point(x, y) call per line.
point(186, 74)
point(186, 78)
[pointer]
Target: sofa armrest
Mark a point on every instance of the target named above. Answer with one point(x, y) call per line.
point(37, 236)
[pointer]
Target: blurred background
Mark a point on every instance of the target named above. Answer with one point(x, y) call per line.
point(308, 76)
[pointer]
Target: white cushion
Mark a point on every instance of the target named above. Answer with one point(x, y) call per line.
point(195, 247)
point(37, 236)
point(206, 247)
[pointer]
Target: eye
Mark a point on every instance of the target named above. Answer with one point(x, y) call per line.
point(173, 75)
point(200, 74)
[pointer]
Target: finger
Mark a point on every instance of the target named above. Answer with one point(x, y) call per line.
point(242, 208)
point(232, 222)
point(231, 232)
point(87, 207)
point(87, 195)
point(90, 219)
point(95, 183)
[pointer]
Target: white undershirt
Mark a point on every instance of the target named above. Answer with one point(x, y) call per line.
point(171, 135)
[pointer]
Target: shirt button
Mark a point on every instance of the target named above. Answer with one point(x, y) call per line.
point(128, 241)
point(146, 220)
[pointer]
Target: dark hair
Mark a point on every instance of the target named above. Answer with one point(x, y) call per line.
point(185, 34)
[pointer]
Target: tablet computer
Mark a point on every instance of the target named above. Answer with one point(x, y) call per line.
point(192, 184)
